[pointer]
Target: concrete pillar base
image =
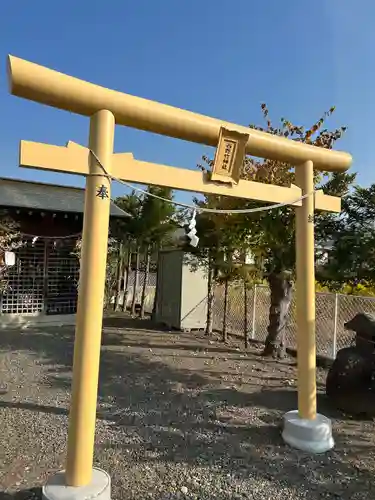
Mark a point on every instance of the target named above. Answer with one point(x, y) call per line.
point(98, 489)
point(313, 436)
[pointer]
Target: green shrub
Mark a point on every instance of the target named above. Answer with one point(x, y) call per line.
point(362, 288)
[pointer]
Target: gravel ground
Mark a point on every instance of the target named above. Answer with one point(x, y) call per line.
point(178, 417)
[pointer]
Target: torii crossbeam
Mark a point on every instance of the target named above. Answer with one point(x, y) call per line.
point(303, 429)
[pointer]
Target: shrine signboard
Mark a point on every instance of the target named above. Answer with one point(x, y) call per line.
point(229, 157)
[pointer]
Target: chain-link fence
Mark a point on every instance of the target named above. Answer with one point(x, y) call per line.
point(332, 311)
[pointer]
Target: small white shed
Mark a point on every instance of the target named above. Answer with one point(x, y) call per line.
point(181, 300)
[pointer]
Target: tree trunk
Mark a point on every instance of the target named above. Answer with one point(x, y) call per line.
point(210, 297)
point(155, 303)
point(126, 287)
point(145, 283)
point(135, 284)
point(246, 314)
point(281, 298)
point(225, 314)
point(120, 265)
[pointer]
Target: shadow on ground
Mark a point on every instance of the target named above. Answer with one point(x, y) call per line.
point(128, 323)
point(184, 416)
point(31, 494)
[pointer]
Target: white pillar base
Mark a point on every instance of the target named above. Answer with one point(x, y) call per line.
point(98, 489)
point(313, 436)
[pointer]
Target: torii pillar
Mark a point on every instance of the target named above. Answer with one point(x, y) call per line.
point(303, 428)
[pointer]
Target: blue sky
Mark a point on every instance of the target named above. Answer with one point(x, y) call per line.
point(217, 57)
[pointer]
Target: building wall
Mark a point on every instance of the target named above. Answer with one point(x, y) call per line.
point(168, 307)
point(194, 298)
point(43, 281)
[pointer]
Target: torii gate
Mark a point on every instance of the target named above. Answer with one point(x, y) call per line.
point(304, 429)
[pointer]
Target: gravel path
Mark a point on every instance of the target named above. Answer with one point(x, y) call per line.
point(178, 417)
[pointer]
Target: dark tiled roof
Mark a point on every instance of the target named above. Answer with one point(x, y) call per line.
point(49, 197)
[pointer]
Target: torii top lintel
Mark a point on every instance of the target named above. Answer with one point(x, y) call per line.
point(46, 86)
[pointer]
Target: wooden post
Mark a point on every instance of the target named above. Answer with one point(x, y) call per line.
point(253, 321)
point(335, 323)
point(82, 416)
point(305, 264)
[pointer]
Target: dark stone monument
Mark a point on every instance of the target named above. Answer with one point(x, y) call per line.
point(350, 383)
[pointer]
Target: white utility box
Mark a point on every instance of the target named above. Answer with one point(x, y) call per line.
point(181, 300)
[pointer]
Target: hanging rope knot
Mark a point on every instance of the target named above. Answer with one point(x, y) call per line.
point(192, 234)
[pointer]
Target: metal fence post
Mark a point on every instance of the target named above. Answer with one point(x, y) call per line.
point(336, 314)
point(254, 308)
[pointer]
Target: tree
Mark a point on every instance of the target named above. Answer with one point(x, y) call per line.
point(274, 231)
point(136, 278)
point(120, 257)
point(128, 232)
point(352, 257)
point(146, 228)
point(207, 255)
point(9, 240)
point(156, 224)
point(144, 232)
point(127, 268)
point(110, 276)
point(249, 275)
point(219, 237)
point(271, 234)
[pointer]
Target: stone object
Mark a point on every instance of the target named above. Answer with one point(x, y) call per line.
point(363, 325)
point(350, 383)
point(98, 489)
point(312, 436)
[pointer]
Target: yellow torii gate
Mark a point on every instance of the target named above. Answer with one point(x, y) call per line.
point(304, 429)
